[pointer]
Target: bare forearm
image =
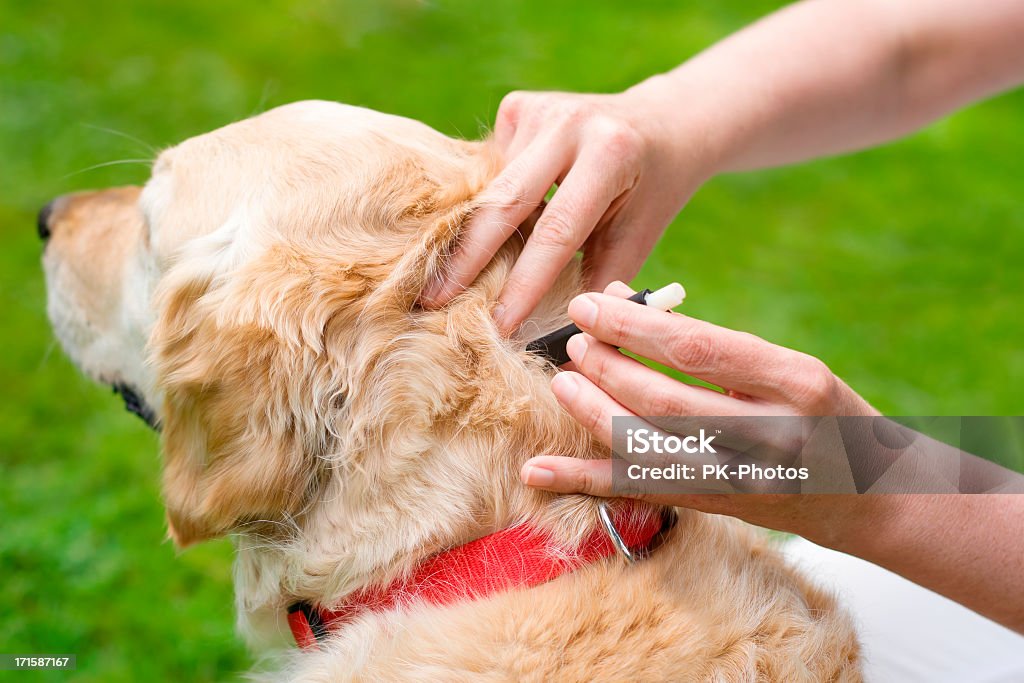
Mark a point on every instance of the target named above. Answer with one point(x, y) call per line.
point(969, 548)
point(827, 76)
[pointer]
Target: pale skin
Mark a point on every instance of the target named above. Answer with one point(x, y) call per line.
point(817, 78)
point(912, 535)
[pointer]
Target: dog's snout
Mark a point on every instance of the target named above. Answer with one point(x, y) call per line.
point(43, 220)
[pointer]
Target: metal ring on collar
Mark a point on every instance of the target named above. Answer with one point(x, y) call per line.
point(630, 555)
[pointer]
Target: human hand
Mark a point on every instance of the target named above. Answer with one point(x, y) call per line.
point(621, 176)
point(759, 379)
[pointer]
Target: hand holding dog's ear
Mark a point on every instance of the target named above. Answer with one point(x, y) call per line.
point(620, 182)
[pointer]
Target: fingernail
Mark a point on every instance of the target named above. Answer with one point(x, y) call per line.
point(432, 290)
point(583, 310)
point(499, 315)
point(576, 348)
point(565, 386)
point(538, 476)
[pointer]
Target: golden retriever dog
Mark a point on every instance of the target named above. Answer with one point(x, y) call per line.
point(256, 301)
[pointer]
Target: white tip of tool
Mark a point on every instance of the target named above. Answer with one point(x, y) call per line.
point(667, 298)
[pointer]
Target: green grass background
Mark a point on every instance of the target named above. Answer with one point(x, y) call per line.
point(900, 266)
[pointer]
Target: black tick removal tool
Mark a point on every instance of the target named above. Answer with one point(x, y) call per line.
point(552, 346)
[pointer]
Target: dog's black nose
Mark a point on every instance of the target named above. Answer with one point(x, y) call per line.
point(43, 221)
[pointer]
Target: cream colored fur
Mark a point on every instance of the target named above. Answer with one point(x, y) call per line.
point(342, 434)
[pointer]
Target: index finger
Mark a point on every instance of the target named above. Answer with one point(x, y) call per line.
point(509, 199)
point(582, 199)
point(727, 358)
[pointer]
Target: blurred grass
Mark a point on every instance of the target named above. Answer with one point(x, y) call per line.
point(900, 267)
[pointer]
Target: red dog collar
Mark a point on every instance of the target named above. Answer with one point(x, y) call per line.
point(518, 557)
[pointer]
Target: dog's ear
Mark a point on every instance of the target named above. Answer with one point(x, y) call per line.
point(224, 466)
point(248, 385)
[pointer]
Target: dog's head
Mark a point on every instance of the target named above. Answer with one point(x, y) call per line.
point(258, 295)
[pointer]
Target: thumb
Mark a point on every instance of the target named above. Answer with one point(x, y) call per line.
point(569, 475)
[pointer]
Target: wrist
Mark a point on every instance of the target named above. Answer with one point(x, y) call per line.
point(691, 121)
point(692, 137)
